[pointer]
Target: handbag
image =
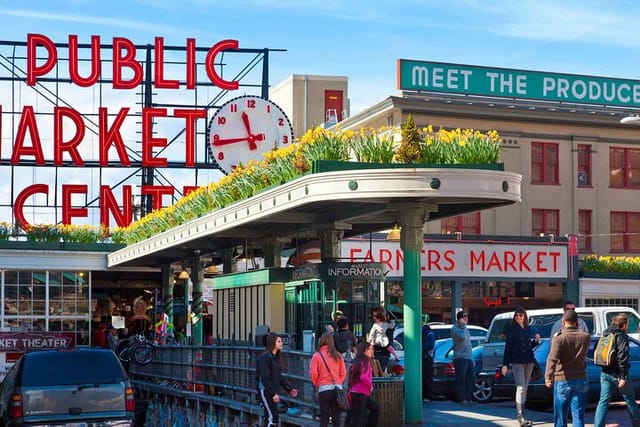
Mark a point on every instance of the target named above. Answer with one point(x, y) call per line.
point(342, 397)
point(536, 373)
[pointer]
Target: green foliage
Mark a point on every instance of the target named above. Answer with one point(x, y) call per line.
point(409, 150)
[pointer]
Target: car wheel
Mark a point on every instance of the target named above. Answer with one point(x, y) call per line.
point(482, 391)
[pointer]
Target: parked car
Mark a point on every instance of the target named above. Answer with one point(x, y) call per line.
point(539, 396)
point(541, 321)
point(444, 372)
point(78, 386)
point(441, 331)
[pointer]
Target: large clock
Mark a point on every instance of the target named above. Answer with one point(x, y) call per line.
point(246, 127)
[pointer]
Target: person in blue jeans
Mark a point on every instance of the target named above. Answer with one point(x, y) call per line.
point(616, 375)
point(566, 371)
point(463, 359)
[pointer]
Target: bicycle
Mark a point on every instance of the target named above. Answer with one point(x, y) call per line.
point(136, 349)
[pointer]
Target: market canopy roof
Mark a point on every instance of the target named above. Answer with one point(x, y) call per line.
point(356, 201)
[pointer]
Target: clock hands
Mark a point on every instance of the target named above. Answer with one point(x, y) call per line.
point(250, 138)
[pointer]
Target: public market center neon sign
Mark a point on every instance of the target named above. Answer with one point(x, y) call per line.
point(127, 73)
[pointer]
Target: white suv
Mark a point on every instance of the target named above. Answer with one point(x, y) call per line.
point(541, 321)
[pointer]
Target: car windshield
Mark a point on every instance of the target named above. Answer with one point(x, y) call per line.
point(72, 367)
point(540, 324)
point(633, 327)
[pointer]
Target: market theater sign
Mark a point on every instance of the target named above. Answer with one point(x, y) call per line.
point(69, 128)
point(467, 259)
point(34, 340)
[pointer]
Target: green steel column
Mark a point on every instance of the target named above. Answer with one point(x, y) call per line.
point(412, 218)
point(167, 291)
point(197, 276)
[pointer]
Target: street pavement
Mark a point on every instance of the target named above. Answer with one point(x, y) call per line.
point(443, 413)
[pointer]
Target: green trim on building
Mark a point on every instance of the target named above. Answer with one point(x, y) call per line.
point(320, 166)
point(243, 279)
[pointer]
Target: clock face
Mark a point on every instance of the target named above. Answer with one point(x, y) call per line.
point(244, 128)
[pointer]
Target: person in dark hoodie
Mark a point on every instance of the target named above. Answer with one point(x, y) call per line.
point(616, 375)
point(518, 352)
point(269, 379)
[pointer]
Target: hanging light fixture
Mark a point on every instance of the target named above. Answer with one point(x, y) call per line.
point(394, 234)
point(183, 275)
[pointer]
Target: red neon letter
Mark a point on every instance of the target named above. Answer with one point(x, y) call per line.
point(160, 82)
point(74, 62)
point(188, 189)
point(156, 192)
point(67, 210)
point(70, 146)
point(33, 70)
point(190, 129)
point(148, 141)
point(191, 63)
point(210, 64)
point(128, 60)
point(111, 135)
point(108, 204)
point(18, 206)
point(27, 122)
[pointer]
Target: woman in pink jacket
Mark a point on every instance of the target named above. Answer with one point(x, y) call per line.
point(327, 373)
point(361, 388)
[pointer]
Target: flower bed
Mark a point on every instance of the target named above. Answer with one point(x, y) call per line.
point(384, 147)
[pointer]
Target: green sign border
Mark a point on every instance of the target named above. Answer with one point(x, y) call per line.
point(513, 83)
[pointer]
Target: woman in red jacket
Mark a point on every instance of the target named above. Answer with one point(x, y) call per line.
point(327, 373)
point(361, 388)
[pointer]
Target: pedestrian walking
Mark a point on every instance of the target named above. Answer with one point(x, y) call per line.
point(381, 337)
point(518, 353)
point(557, 325)
point(327, 372)
point(566, 371)
point(363, 406)
point(616, 375)
point(428, 344)
point(463, 359)
point(269, 379)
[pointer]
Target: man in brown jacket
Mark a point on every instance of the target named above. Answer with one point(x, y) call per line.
point(567, 371)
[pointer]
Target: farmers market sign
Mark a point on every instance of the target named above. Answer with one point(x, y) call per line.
point(511, 83)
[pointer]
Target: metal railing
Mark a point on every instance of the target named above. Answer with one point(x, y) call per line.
point(223, 372)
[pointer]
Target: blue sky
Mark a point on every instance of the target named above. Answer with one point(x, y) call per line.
point(363, 39)
point(358, 39)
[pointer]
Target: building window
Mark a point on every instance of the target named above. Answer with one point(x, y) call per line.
point(625, 232)
point(584, 230)
point(624, 167)
point(53, 301)
point(465, 224)
point(545, 221)
point(544, 163)
point(611, 302)
point(584, 165)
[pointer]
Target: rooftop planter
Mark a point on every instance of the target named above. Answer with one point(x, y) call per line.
point(321, 150)
point(612, 267)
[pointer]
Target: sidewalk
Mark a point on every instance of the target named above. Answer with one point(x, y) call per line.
point(443, 413)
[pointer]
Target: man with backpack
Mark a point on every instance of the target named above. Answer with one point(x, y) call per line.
point(616, 374)
point(428, 343)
